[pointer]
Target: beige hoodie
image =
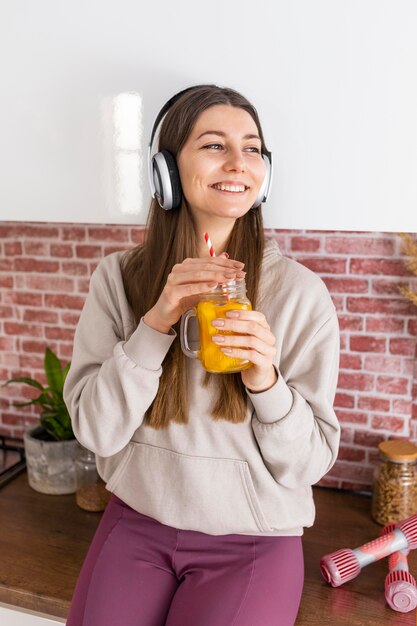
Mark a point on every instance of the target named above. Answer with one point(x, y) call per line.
point(211, 476)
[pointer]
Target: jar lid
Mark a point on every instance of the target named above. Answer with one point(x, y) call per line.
point(398, 449)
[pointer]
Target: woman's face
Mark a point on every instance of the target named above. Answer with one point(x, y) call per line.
point(220, 165)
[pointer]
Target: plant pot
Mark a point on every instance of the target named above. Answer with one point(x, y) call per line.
point(50, 464)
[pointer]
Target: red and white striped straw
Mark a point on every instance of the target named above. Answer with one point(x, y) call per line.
point(209, 244)
point(212, 253)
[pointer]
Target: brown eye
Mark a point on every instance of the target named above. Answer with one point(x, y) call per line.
point(215, 146)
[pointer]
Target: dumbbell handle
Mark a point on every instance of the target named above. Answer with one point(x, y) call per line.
point(400, 585)
point(345, 564)
point(396, 560)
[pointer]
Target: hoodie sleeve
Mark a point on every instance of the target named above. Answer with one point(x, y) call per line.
point(111, 382)
point(294, 422)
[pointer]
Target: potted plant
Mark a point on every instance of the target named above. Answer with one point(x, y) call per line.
point(50, 447)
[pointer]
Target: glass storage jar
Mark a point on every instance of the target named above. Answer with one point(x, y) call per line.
point(91, 494)
point(394, 494)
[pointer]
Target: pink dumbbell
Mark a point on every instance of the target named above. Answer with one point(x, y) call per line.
point(345, 564)
point(400, 585)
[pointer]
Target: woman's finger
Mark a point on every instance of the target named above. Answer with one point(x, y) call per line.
point(255, 316)
point(177, 293)
point(246, 342)
point(204, 275)
point(253, 356)
point(218, 261)
point(245, 327)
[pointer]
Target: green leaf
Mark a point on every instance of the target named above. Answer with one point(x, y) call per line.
point(26, 381)
point(52, 425)
point(57, 424)
point(44, 399)
point(24, 403)
point(65, 371)
point(56, 396)
point(53, 370)
point(54, 417)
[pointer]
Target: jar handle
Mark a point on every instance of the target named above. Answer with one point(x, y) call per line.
point(184, 334)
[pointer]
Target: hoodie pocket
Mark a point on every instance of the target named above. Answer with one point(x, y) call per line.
point(210, 495)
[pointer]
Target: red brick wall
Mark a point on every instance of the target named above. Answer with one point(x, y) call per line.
point(44, 276)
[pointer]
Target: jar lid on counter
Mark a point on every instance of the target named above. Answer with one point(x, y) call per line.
point(398, 450)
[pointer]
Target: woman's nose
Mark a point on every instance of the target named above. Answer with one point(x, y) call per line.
point(234, 160)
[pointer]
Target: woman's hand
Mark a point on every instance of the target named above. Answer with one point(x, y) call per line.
point(185, 283)
point(253, 341)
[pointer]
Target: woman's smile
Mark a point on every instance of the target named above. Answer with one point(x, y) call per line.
point(230, 187)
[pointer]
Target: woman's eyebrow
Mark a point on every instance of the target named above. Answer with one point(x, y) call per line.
point(222, 134)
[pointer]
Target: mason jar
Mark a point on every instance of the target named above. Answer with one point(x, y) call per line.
point(394, 494)
point(230, 296)
point(91, 494)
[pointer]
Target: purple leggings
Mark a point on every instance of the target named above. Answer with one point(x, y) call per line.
point(139, 572)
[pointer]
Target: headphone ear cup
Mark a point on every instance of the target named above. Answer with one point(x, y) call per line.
point(174, 177)
point(266, 185)
point(166, 180)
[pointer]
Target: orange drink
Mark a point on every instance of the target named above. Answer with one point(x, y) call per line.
point(214, 305)
point(210, 354)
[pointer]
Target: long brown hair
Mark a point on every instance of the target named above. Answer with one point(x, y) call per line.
point(170, 237)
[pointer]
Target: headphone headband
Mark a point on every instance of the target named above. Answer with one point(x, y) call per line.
point(168, 104)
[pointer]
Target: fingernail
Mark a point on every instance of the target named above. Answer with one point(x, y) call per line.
point(218, 338)
point(232, 314)
point(218, 323)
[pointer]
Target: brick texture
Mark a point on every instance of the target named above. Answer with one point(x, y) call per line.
point(44, 277)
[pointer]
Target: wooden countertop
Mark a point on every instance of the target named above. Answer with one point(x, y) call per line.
point(44, 540)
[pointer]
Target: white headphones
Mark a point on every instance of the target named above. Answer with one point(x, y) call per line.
point(164, 178)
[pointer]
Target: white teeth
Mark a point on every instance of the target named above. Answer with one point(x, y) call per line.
point(234, 188)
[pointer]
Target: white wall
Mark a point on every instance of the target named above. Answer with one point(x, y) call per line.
point(334, 82)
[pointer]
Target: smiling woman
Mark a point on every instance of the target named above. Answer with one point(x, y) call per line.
point(211, 474)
